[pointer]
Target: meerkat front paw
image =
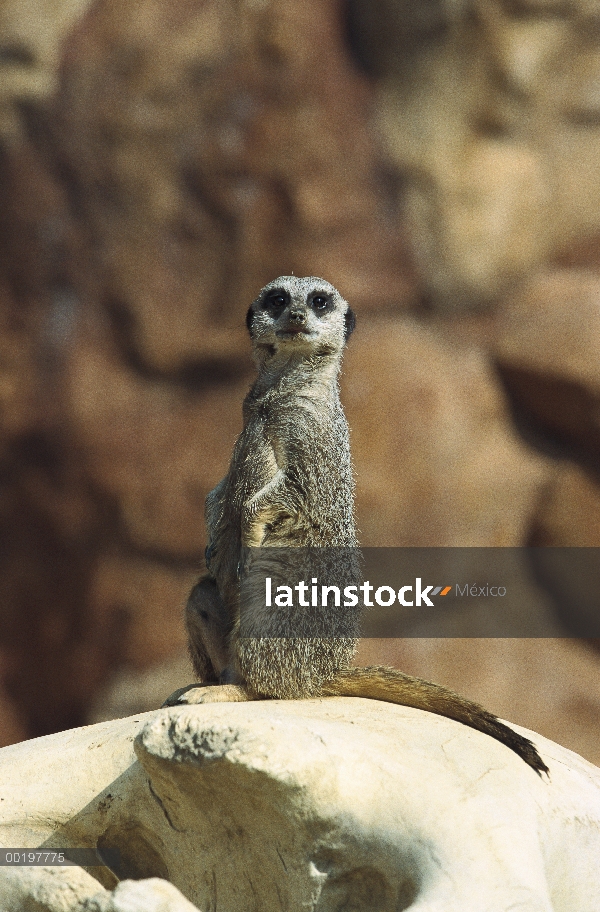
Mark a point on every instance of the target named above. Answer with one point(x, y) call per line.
point(180, 696)
point(211, 693)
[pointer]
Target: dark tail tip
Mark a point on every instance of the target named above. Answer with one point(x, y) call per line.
point(528, 752)
point(523, 747)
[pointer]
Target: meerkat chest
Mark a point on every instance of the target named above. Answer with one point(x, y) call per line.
point(309, 448)
point(254, 462)
point(303, 435)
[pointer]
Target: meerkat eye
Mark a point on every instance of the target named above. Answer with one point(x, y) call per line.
point(320, 302)
point(277, 299)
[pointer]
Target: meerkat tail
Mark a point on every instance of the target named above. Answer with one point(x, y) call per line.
point(383, 683)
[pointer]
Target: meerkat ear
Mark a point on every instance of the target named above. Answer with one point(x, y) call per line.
point(350, 320)
point(249, 318)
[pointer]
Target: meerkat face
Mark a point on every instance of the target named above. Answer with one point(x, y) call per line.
point(304, 315)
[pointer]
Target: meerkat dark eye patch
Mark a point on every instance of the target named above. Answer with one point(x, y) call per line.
point(321, 302)
point(249, 319)
point(276, 299)
point(350, 322)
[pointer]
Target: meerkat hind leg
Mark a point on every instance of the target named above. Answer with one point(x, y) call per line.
point(208, 626)
point(208, 632)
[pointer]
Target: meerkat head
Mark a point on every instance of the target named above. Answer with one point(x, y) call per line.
point(303, 316)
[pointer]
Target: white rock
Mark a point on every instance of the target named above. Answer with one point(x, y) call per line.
point(321, 804)
point(153, 895)
point(41, 889)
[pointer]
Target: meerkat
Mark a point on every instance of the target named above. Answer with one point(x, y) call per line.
point(290, 486)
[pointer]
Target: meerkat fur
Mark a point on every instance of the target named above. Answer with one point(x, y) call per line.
point(290, 485)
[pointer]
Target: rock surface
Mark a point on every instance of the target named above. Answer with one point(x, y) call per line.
point(551, 685)
point(238, 139)
point(30, 54)
point(547, 348)
point(320, 804)
point(489, 110)
point(150, 895)
point(45, 889)
point(437, 465)
point(570, 514)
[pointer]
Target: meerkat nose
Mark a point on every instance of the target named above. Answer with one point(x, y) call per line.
point(297, 316)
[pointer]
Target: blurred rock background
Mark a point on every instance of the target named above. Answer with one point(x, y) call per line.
point(159, 162)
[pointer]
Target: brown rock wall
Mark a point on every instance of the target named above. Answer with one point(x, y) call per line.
point(437, 460)
point(152, 448)
point(31, 40)
point(489, 110)
point(155, 170)
point(569, 516)
point(212, 146)
point(548, 351)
